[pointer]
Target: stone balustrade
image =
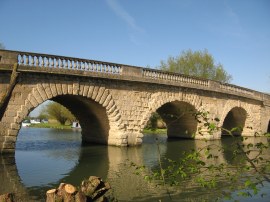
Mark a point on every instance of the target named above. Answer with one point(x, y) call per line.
point(237, 89)
point(51, 61)
point(160, 75)
point(126, 72)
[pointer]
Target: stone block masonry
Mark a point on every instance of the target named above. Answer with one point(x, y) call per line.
point(113, 102)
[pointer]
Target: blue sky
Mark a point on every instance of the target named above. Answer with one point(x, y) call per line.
point(142, 33)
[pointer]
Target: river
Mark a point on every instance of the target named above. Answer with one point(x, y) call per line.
point(46, 157)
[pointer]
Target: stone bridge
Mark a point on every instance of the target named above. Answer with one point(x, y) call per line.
point(113, 102)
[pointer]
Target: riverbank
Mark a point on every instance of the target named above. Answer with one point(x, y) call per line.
point(59, 126)
point(50, 125)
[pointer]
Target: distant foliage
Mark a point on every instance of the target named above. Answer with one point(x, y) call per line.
point(57, 111)
point(196, 63)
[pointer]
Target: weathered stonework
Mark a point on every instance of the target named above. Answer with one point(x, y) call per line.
point(114, 102)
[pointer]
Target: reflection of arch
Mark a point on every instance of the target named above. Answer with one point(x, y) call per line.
point(82, 97)
point(10, 179)
point(244, 108)
point(235, 119)
point(163, 101)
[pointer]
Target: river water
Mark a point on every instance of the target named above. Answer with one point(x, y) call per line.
point(46, 157)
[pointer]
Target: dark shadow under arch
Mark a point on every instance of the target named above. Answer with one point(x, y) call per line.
point(234, 121)
point(179, 118)
point(91, 115)
point(268, 128)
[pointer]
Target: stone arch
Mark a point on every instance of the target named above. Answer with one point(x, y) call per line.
point(162, 98)
point(248, 129)
point(93, 91)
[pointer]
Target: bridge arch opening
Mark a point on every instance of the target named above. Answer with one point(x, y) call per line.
point(179, 119)
point(234, 122)
point(268, 128)
point(91, 115)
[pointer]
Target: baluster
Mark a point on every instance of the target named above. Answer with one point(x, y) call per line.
point(60, 62)
point(37, 61)
point(56, 62)
point(90, 66)
point(21, 60)
point(48, 62)
point(52, 62)
point(83, 65)
point(32, 61)
point(64, 63)
point(42, 61)
point(26, 60)
point(77, 65)
point(145, 73)
point(46, 59)
point(86, 66)
point(113, 70)
point(69, 64)
point(94, 67)
point(74, 64)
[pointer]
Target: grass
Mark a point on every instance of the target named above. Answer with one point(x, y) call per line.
point(155, 131)
point(50, 125)
point(59, 126)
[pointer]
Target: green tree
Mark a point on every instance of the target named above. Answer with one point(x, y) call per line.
point(58, 112)
point(196, 63)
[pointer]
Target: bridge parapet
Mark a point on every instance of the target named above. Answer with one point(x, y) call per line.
point(169, 76)
point(45, 63)
point(61, 62)
point(238, 89)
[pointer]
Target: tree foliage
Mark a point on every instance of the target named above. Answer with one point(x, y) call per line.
point(57, 111)
point(205, 167)
point(196, 63)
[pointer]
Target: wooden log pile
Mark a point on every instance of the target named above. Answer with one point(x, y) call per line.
point(9, 197)
point(92, 189)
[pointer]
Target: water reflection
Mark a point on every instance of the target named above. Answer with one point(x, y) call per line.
point(46, 157)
